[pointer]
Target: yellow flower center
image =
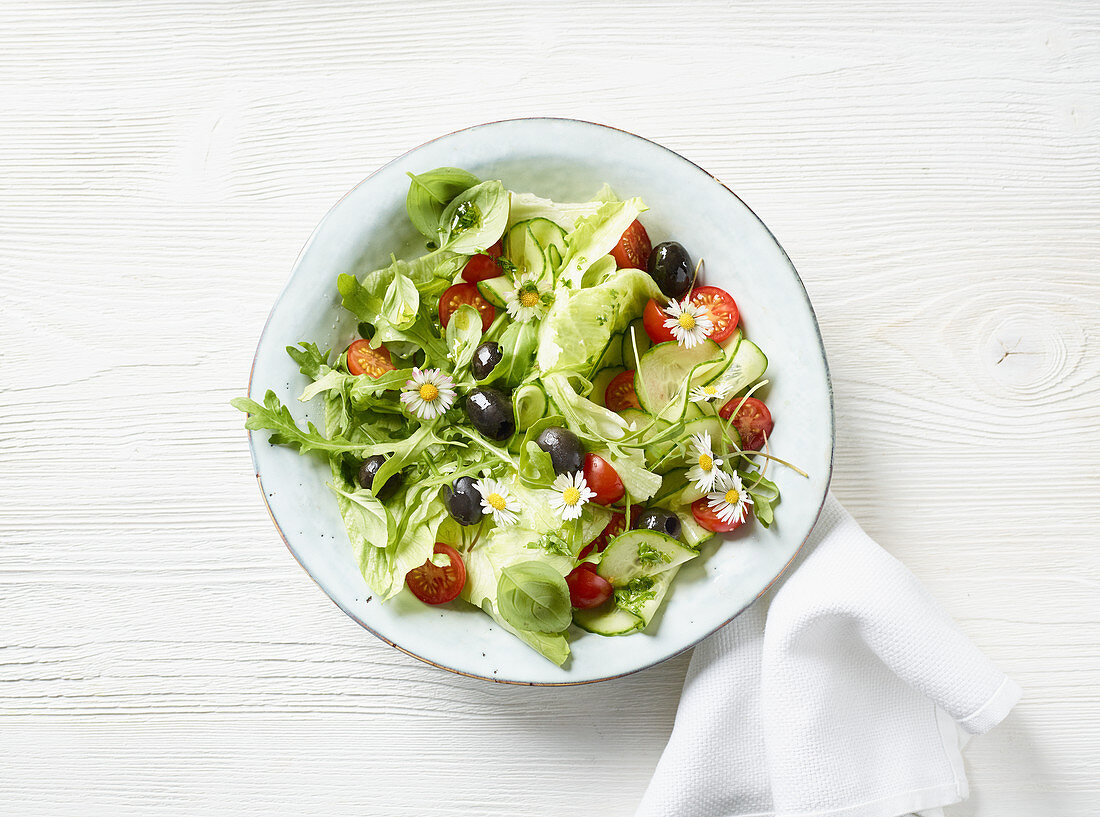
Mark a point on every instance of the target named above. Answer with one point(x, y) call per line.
point(428, 392)
point(705, 462)
point(497, 501)
point(732, 497)
point(571, 496)
point(527, 298)
point(710, 391)
point(687, 321)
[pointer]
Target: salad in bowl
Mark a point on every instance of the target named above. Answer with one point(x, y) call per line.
point(541, 416)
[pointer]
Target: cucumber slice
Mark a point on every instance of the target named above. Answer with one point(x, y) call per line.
point(660, 590)
point(641, 553)
point(493, 289)
point(529, 404)
point(641, 340)
point(668, 369)
point(526, 245)
point(714, 426)
point(600, 382)
point(746, 365)
point(606, 620)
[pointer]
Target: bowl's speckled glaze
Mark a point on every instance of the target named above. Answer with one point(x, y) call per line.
point(568, 160)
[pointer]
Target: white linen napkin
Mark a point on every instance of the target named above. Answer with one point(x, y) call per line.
point(836, 694)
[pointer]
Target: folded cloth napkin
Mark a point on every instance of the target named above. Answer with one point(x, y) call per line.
point(837, 693)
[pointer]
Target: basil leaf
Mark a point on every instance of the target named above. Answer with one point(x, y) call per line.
point(533, 596)
point(475, 219)
point(401, 303)
point(463, 335)
point(431, 192)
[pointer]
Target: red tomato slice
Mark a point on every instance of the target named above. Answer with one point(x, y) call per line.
point(364, 360)
point(633, 248)
point(603, 479)
point(708, 519)
point(653, 319)
point(616, 526)
point(483, 266)
point(753, 422)
point(620, 392)
point(461, 294)
point(721, 308)
point(587, 589)
point(433, 584)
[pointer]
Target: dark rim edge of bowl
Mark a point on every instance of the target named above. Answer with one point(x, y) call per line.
point(686, 647)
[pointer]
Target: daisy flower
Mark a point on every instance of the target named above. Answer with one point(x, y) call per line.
point(690, 323)
point(497, 501)
point(524, 303)
point(706, 469)
point(710, 392)
point(730, 502)
point(428, 394)
point(572, 494)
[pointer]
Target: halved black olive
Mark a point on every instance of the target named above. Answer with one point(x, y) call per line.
point(463, 501)
point(491, 413)
point(486, 357)
point(660, 521)
point(565, 449)
point(670, 268)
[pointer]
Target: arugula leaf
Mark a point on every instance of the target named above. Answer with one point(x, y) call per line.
point(431, 192)
point(474, 219)
point(533, 596)
point(273, 416)
point(312, 362)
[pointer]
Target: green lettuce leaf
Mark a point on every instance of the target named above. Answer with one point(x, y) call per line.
point(595, 236)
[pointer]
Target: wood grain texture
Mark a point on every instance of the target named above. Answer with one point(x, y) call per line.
point(931, 169)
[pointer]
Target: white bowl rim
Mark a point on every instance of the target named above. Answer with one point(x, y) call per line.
point(508, 681)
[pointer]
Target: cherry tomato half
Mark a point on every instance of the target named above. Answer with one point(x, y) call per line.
point(708, 519)
point(602, 479)
point(753, 422)
point(461, 294)
point(483, 265)
point(721, 308)
point(653, 319)
point(620, 392)
point(632, 251)
point(433, 584)
point(587, 589)
point(616, 526)
point(364, 360)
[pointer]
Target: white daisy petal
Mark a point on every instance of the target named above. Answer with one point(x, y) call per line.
point(730, 501)
point(428, 394)
point(571, 495)
point(498, 502)
point(707, 467)
point(524, 301)
point(690, 323)
point(711, 392)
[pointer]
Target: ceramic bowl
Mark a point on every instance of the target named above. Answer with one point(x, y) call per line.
point(566, 160)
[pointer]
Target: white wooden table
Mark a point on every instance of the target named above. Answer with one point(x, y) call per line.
point(931, 168)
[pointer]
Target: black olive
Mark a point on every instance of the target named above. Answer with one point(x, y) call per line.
point(671, 269)
point(565, 450)
point(463, 501)
point(491, 413)
point(368, 469)
point(660, 521)
point(486, 357)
